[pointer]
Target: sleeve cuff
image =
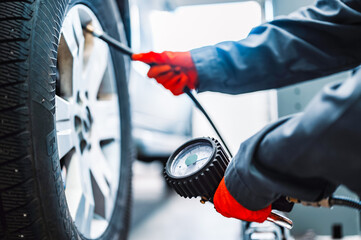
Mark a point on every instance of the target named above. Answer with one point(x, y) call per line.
point(212, 75)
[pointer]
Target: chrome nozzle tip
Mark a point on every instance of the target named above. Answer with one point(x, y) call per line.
point(93, 30)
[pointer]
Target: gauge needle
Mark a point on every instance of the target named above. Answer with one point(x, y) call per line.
point(193, 159)
point(200, 159)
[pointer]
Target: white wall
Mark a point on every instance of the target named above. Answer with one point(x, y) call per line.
point(237, 116)
point(284, 7)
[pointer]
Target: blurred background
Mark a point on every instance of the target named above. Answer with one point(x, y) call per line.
point(163, 122)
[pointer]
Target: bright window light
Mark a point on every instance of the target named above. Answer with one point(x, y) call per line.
point(200, 25)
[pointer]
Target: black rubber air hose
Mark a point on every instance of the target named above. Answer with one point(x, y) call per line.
point(127, 51)
point(345, 201)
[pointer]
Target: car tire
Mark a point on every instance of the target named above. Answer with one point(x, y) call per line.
point(33, 204)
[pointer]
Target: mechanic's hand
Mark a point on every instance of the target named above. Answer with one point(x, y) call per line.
point(226, 205)
point(174, 70)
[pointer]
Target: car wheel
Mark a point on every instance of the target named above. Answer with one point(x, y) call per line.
point(65, 135)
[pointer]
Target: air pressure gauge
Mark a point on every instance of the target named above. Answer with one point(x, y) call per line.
point(196, 168)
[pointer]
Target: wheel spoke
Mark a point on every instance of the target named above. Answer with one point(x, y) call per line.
point(63, 126)
point(73, 34)
point(62, 109)
point(106, 119)
point(101, 170)
point(96, 67)
point(65, 142)
point(78, 29)
point(84, 215)
point(111, 151)
point(79, 193)
point(74, 38)
point(69, 37)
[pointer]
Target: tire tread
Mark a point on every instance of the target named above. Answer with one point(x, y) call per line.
point(18, 201)
point(21, 202)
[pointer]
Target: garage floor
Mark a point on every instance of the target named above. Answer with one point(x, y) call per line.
point(160, 214)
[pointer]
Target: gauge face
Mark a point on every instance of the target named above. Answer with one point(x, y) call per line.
point(191, 159)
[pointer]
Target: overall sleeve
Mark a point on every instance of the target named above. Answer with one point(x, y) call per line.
point(312, 42)
point(305, 156)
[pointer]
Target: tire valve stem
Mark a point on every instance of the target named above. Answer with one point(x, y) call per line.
point(109, 40)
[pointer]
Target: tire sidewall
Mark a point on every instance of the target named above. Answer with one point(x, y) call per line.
point(58, 222)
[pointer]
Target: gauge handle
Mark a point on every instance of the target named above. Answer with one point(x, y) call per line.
point(273, 217)
point(280, 220)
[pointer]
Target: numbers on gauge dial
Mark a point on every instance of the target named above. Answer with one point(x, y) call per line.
point(191, 159)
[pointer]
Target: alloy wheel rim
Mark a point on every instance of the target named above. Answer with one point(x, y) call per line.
point(87, 123)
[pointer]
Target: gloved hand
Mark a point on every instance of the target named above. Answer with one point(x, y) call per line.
point(226, 205)
point(174, 70)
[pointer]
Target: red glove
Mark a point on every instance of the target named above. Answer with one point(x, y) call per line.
point(226, 205)
point(174, 70)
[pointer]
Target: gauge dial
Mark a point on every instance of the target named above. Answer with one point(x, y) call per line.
point(190, 159)
point(196, 168)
